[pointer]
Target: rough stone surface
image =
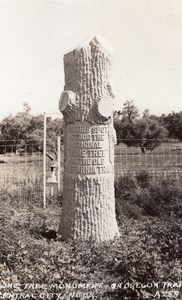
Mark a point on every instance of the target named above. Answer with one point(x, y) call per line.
point(87, 105)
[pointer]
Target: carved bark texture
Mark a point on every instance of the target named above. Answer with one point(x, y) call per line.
point(87, 105)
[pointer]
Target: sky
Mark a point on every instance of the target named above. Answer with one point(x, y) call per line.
point(146, 35)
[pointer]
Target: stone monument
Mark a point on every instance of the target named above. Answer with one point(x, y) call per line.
point(87, 105)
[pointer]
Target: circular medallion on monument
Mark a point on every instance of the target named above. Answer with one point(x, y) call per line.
point(105, 107)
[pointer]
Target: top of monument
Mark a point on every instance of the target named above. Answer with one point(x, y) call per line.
point(97, 39)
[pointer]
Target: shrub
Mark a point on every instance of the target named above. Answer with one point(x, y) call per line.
point(167, 194)
point(148, 250)
point(143, 178)
point(140, 196)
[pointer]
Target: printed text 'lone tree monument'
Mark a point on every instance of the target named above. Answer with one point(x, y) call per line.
point(87, 105)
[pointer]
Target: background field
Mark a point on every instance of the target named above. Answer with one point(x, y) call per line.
point(163, 160)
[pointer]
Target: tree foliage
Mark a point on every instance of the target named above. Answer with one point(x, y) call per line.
point(26, 131)
point(173, 123)
point(129, 112)
point(133, 130)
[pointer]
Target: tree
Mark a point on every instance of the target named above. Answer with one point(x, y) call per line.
point(124, 119)
point(144, 132)
point(129, 112)
point(14, 129)
point(26, 131)
point(173, 123)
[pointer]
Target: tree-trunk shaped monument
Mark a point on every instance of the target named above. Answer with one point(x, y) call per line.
point(88, 209)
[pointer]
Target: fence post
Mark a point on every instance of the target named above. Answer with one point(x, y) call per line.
point(59, 161)
point(44, 163)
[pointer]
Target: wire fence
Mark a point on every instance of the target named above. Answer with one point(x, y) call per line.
point(22, 167)
point(164, 160)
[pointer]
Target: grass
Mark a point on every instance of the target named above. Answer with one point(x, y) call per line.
point(148, 251)
point(138, 265)
point(24, 174)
